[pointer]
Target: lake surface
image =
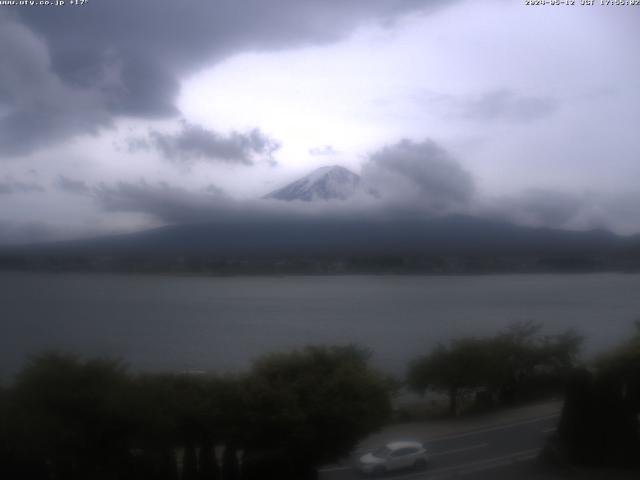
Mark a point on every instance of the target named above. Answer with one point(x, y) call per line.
point(203, 323)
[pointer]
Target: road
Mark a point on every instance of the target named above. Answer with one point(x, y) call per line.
point(467, 453)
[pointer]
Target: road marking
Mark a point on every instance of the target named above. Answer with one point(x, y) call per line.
point(458, 450)
point(548, 430)
point(491, 429)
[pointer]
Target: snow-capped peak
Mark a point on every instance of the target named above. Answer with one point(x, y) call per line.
point(325, 183)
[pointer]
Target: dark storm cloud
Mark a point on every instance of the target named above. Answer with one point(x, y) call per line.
point(420, 173)
point(194, 143)
point(139, 86)
point(171, 204)
point(10, 186)
point(547, 207)
point(166, 202)
point(36, 107)
point(551, 208)
point(506, 105)
point(70, 185)
point(15, 233)
point(83, 66)
point(539, 207)
point(412, 179)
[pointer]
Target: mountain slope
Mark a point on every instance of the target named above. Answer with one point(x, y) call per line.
point(326, 183)
point(453, 235)
point(452, 244)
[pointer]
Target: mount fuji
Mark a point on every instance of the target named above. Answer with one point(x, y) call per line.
point(325, 183)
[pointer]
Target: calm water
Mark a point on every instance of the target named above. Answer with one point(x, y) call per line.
point(156, 322)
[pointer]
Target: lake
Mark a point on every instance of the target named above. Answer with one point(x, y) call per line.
point(211, 323)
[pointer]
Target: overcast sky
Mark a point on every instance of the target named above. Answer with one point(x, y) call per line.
point(121, 115)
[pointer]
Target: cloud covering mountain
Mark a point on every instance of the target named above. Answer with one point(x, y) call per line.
point(119, 116)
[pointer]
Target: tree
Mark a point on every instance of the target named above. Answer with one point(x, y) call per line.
point(599, 422)
point(455, 370)
point(313, 405)
point(71, 416)
point(514, 364)
point(189, 413)
point(526, 362)
point(623, 361)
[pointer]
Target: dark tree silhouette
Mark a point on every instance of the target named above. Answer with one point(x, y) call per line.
point(599, 423)
point(72, 416)
point(208, 466)
point(313, 405)
point(230, 466)
point(69, 418)
point(455, 370)
point(515, 364)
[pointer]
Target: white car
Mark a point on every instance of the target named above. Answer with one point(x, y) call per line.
point(393, 456)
